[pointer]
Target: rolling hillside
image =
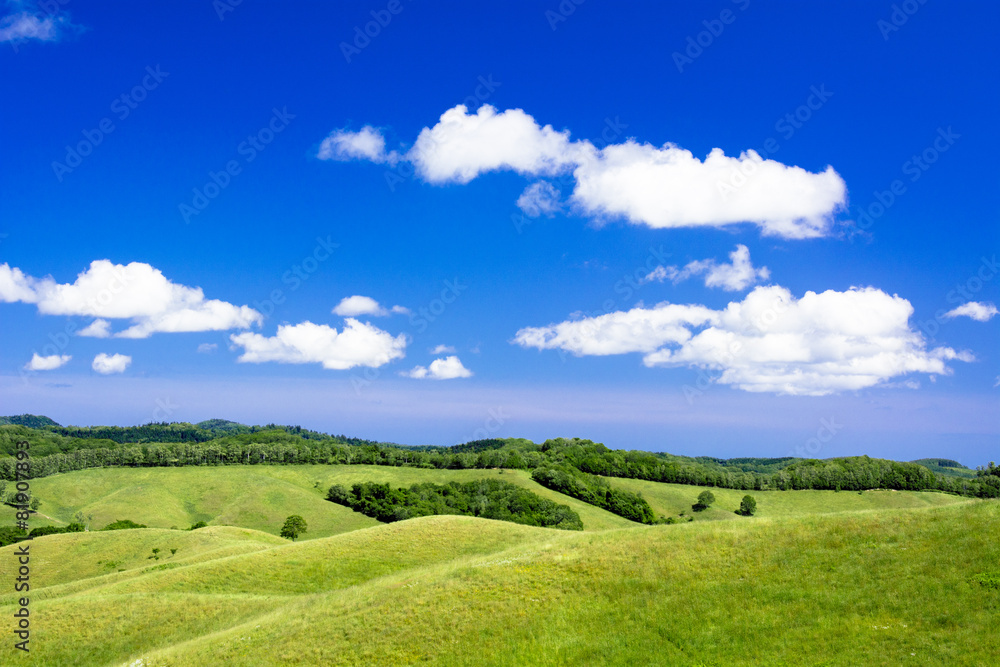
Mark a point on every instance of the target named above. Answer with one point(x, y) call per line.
point(257, 497)
point(878, 587)
point(260, 497)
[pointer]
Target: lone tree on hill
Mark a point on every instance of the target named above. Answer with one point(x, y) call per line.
point(705, 498)
point(294, 526)
point(748, 506)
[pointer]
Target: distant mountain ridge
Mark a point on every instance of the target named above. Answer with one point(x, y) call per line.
point(31, 421)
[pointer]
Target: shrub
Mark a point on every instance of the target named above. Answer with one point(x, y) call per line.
point(748, 506)
point(988, 579)
point(123, 524)
point(338, 494)
point(705, 500)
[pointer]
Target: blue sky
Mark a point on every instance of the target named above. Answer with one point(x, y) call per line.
point(257, 211)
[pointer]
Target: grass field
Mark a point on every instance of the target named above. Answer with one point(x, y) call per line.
point(672, 499)
point(260, 497)
point(818, 577)
point(874, 587)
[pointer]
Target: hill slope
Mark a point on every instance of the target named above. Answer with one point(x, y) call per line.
point(257, 497)
point(884, 587)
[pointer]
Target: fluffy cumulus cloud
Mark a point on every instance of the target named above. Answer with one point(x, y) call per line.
point(106, 364)
point(447, 368)
point(657, 186)
point(670, 187)
point(462, 146)
point(15, 285)
point(769, 342)
point(739, 274)
point(977, 310)
point(49, 363)
point(357, 344)
point(137, 292)
point(356, 305)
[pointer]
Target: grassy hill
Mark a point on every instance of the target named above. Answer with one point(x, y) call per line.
point(257, 497)
point(260, 497)
point(889, 586)
point(672, 499)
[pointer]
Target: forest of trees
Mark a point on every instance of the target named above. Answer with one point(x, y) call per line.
point(596, 491)
point(61, 449)
point(486, 498)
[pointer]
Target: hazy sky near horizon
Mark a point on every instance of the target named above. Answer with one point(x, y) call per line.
point(728, 228)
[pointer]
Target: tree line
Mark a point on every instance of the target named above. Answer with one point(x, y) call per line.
point(596, 491)
point(53, 453)
point(485, 498)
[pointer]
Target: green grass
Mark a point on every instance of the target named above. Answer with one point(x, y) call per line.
point(893, 587)
point(75, 557)
point(672, 499)
point(818, 577)
point(261, 497)
point(258, 497)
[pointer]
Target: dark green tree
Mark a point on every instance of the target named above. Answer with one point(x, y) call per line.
point(705, 500)
point(123, 524)
point(294, 526)
point(748, 506)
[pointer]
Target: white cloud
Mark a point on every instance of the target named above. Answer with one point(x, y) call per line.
point(769, 342)
point(462, 146)
point(357, 344)
point(447, 368)
point(22, 26)
point(107, 364)
point(659, 274)
point(206, 348)
point(538, 199)
point(669, 187)
point(733, 277)
point(137, 291)
point(96, 329)
point(658, 187)
point(637, 330)
point(980, 312)
point(50, 363)
point(353, 306)
point(15, 285)
point(366, 144)
point(442, 349)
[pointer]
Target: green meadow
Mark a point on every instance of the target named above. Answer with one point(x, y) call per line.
point(817, 577)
